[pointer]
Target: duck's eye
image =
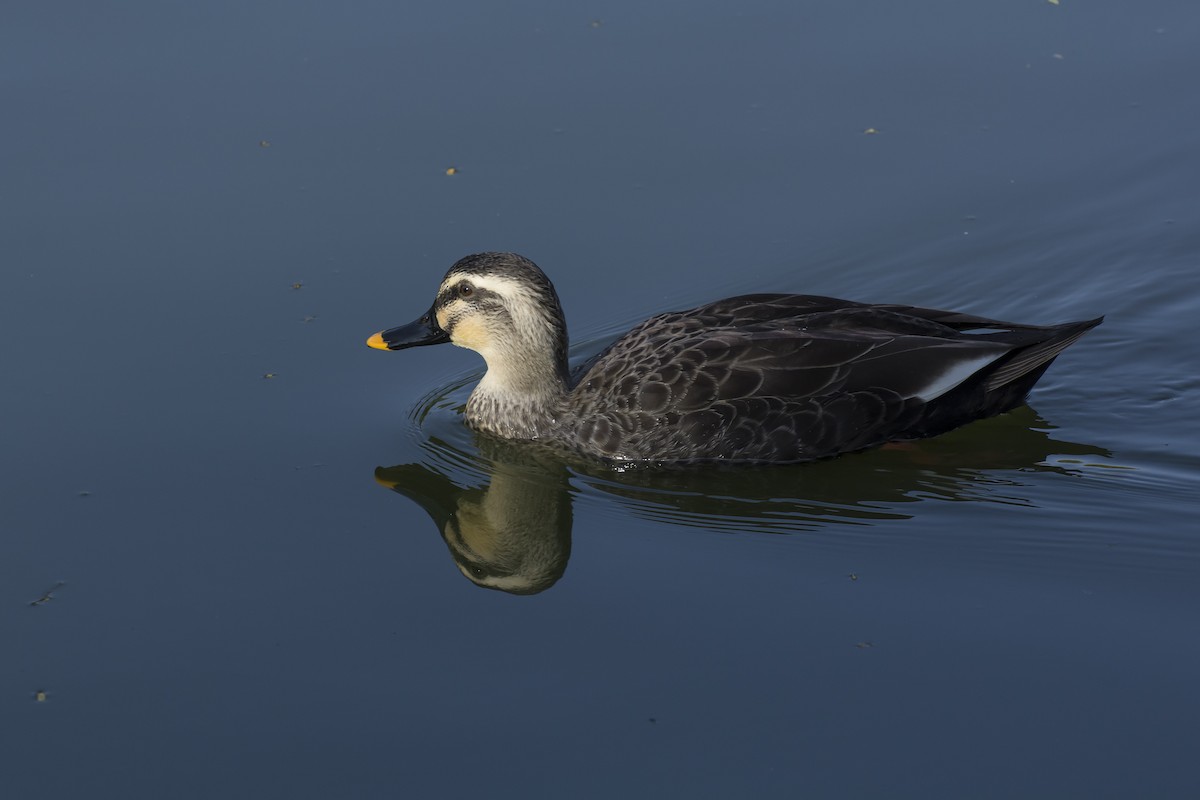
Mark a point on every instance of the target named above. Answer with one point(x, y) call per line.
point(465, 289)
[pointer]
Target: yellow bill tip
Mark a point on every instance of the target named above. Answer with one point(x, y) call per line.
point(382, 481)
point(377, 342)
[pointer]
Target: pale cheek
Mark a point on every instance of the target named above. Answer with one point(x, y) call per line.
point(470, 334)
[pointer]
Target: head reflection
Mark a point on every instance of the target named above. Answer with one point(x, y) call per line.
point(508, 525)
point(514, 534)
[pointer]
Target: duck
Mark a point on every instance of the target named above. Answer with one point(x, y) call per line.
point(752, 379)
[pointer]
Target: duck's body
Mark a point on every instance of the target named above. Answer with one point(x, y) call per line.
point(757, 378)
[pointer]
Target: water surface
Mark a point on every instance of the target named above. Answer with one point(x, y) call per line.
point(207, 592)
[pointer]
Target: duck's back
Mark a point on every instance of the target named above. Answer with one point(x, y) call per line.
point(779, 378)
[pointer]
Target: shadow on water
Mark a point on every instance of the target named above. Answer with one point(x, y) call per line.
point(505, 509)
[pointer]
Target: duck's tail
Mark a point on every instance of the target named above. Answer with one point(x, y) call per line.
point(1037, 356)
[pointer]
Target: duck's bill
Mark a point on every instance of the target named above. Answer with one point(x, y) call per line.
point(420, 332)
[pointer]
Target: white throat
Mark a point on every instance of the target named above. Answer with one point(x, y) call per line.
point(520, 396)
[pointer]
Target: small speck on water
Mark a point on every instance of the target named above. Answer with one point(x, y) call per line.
point(40, 696)
point(864, 645)
point(452, 170)
point(852, 576)
point(85, 494)
point(269, 375)
point(297, 285)
point(263, 143)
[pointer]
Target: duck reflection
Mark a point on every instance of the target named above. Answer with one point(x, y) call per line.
point(513, 534)
point(506, 517)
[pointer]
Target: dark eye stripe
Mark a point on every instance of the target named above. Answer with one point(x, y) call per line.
point(452, 293)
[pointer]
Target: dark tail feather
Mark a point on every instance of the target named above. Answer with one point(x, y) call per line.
point(1041, 354)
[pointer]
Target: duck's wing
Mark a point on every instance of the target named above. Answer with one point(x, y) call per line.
point(730, 313)
point(749, 309)
point(792, 346)
point(787, 377)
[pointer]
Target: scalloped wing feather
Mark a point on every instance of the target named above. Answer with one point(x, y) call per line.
point(793, 377)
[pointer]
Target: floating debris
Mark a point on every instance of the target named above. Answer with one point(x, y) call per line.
point(852, 576)
point(452, 170)
point(263, 143)
point(864, 645)
point(48, 595)
point(40, 696)
point(298, 285)
point(870, 131)
point(269, 375)
point(310, 318)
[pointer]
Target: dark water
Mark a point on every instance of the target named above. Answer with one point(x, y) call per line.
point(206, 592)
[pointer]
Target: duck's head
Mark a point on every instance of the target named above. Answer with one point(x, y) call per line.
point(500, 305)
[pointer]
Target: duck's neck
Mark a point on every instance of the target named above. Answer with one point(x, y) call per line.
point(520, 397)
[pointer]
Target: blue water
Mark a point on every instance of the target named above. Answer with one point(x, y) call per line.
point(206, 592)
